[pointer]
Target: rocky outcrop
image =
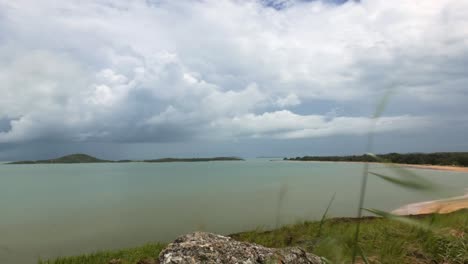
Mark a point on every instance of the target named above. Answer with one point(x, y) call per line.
point(200, 247)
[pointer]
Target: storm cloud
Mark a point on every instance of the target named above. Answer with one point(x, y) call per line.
point(199, 71)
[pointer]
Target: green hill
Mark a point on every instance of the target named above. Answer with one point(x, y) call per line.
point(83, 158)
point(74, 158)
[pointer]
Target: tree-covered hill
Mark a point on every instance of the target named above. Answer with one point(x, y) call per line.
point(438, 158)
point(73, 158)
point(83, 158)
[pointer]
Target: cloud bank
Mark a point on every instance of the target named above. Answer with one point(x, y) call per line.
point(172, 71)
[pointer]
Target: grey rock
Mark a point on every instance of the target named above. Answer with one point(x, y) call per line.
point(201, 247)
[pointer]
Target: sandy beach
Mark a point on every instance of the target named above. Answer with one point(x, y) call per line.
point(443, 206)
point(414, 166)
point(436, 167)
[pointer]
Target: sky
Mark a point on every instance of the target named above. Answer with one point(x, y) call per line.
point(190, 78)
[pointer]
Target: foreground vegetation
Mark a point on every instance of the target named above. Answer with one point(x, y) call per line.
point(438, 158)
point(143, 254)
point(83, 158)
point(382, 240)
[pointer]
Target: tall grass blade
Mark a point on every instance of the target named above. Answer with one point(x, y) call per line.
point(370, 142)
point(382, 104)
point(414, 180)
point(282, 193)
point(398, 218)
point(365, 173)
point(410, 184)
point(363, 256)
point(324, 216)
point(466, 223)
point(398, 169)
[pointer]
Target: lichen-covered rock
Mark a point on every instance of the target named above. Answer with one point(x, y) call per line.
point(200, 247)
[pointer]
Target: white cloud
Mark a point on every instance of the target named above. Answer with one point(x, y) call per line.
point(285, 124)
point(129, 70)
point(290, 100)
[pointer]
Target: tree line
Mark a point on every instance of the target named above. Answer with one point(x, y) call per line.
point(438, 158)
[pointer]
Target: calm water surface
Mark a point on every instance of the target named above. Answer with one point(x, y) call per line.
point(58, 210)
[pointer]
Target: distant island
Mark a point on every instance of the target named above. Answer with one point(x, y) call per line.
point(437, 158)
point(74, 158)
point(84, 158)
point(193, 159)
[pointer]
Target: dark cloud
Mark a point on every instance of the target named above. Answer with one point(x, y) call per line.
point(5, 125)
point(138, 73)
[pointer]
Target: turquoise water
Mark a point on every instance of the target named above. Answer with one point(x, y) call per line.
point(68, 209)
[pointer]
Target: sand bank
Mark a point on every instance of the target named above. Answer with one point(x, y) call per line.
point(436, 167)
point(437, 206)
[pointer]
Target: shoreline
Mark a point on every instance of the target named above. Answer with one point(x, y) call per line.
point(435, 167)
point(442, 206)
point(413, 166)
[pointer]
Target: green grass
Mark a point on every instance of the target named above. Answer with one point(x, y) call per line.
point(126, 256)
point(382, 240)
